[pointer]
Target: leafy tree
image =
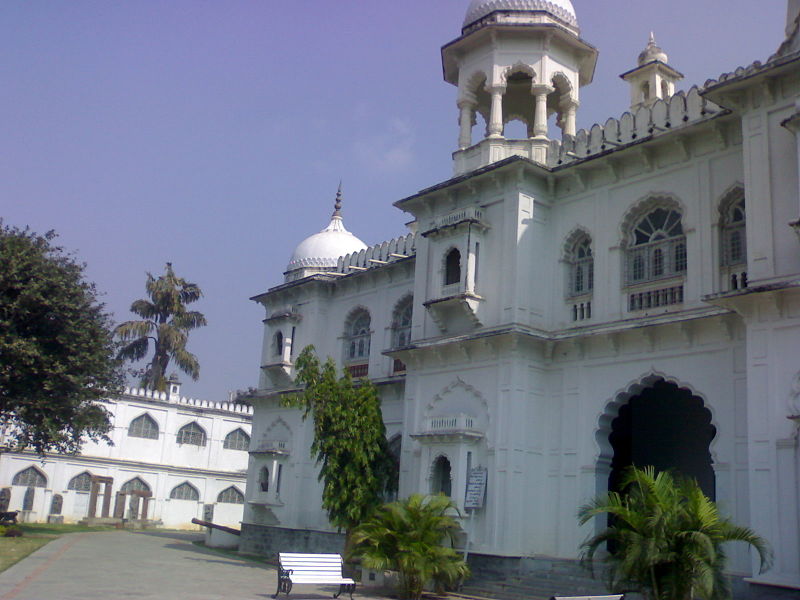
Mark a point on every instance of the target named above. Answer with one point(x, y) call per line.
point(165, 322)
point(407, 536)
point(56, 347)
point(668, 538)
point(350, 444)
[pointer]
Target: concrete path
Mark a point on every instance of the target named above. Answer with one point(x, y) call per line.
point(121, 564)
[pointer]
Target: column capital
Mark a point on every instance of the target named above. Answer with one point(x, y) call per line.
point(498, 88)
point(467, 100)
point(542, 88)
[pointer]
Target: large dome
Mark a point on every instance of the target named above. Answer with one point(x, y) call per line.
point(562, 9)
point(323, 249)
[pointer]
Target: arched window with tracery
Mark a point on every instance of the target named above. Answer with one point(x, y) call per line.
point(452, 267)
point(656, 247)
point(231, 495)
point(81, 482)
point(581, 267)
point(30, 477)
point(401, 323)
point(357, 336)
point(237, 440)
point(143, 426)
point(441, 477)
point(135, 485)
point(733, 230)
point(191, 434)
point(185, 491)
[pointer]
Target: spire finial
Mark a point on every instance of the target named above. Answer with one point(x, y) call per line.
point(337, 206)
point(652, 40)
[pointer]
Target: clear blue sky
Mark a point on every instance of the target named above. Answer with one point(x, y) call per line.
point(213, 134)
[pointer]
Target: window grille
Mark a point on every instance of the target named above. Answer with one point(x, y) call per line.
point(452, 267)
point(231, 496)
point(192, 434)
point(185, 491)
point(357, 337)
point(237, 440)
point(30, 477)
point(656, 298)
point(81, 483)
point(134, 485)
point(143, 426)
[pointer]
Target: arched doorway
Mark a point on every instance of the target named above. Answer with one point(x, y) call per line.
point(665, 426)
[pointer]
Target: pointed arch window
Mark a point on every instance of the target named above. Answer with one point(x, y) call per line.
point(135, 485)
point(263, 479)
point(30, 477)
point(581, 267)
point(441, 480)
point(657, 247)
point(231, 495)
point(143, 426)
point(452, 267)
point(277, 348)
point(357, 336)
point(191, 434)
point(185, 491)
point(401, 323)
point(237, 440)
point(734, 245)
point(81, 482)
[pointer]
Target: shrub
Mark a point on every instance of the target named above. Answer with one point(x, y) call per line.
point(13, 532)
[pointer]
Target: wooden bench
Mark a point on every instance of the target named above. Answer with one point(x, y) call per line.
point(315, 569)
point(8, 517)
point(613, 597)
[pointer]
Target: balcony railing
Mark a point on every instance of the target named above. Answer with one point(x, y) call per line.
point(655, 298)
point(460, 422)
point(272, 447)
point(656, 260)
point(360, 370)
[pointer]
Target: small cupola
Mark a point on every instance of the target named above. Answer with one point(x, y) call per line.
point(653, 79)
point(174, 386)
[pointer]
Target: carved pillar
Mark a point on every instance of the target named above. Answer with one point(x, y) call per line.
point(106, 500)
point(93, 499)
point(495, 128)
point(145, 506)
point(540, 93)
point(466, 119)
point(570, 111)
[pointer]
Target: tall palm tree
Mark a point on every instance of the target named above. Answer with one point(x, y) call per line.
point(668, 538)
point(407, 536)
point(165, 322)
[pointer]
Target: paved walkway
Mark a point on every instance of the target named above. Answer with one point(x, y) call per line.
point(123, 564)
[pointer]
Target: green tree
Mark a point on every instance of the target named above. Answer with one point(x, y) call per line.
point(407, 536)
point(166, 322)
point(667, 536)
point(56, 347)
point(350, 444)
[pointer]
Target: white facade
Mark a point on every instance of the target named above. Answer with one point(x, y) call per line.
point(190, 454)
point(629, 294)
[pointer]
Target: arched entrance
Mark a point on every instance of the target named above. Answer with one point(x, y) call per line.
point(663, 425)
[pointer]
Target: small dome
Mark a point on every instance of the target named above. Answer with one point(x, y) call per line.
point(323, 249)
point(652, 53)
point(562, 9)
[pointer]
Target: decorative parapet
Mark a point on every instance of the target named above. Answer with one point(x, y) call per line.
point(232, 407)
point(378, 255)
point(663, 116)
point(469, 214)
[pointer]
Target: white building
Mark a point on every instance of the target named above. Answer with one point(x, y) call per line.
point(189, 455)
point(564, 308)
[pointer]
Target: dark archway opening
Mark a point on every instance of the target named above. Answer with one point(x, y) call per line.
point(667, 427)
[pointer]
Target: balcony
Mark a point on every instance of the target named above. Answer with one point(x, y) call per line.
point(278, 447)
point(358, 370)
point(456, 427)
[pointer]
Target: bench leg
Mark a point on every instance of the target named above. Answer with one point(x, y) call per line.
point(347, 588)
point(284, 585)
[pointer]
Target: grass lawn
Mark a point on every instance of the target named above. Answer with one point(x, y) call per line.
point(35, 535)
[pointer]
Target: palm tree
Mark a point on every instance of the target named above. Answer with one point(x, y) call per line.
point(667, 536)
point(407, 536)
point(166, 323)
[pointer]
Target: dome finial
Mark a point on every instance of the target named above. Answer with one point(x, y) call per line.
point(337, 205)
point(652, 40)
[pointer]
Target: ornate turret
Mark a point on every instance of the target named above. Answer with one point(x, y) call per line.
point(516, 60)
point(653, 79)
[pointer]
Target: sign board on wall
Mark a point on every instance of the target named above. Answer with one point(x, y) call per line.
point(476, 488)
